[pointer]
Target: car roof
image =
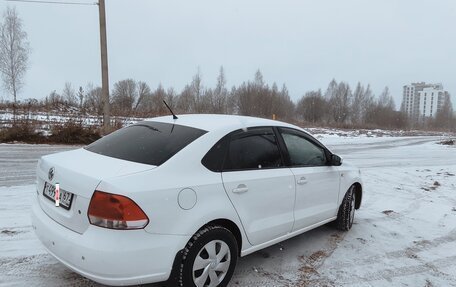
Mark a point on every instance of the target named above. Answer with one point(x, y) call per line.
point(211, 123)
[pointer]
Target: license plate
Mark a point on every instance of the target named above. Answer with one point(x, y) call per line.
point(65, 197)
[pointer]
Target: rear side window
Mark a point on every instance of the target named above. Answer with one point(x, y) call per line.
point(214, 158)
point(253, 149)
point(146, 142)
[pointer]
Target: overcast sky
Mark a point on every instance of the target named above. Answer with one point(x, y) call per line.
point(303, 44)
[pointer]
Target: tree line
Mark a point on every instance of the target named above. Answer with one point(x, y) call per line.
point(338, 105)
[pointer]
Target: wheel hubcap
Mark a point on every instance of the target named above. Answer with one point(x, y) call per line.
point(211, 264)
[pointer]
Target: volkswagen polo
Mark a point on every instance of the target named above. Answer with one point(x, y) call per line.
point(180, 199)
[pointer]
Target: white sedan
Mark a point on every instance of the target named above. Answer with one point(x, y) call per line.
point(179, 200)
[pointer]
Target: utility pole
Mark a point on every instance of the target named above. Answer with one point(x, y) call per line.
point(104, 52)
point(104, 67)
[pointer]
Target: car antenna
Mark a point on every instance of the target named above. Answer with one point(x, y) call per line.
point(174, 116)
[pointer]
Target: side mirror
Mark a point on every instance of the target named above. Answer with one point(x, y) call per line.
point(336, 160)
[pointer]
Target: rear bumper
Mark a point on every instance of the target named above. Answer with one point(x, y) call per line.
point(111, 257)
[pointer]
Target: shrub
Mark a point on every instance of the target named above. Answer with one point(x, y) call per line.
point(22, 131)
point(73, 132)
point(448, 142)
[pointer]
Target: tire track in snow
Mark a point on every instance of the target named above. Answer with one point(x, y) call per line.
point(409, 252)
point(309, 276)
point(423, 267)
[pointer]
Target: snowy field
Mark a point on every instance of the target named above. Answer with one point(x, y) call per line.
point(403, 235)
point(52, 117)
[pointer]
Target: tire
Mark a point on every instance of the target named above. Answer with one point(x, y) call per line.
point(346, 214)
point(209, 258)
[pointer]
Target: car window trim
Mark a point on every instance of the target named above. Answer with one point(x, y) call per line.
point(283, 147)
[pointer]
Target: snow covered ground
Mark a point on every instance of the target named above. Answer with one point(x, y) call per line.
point(404, 234)
point(61, 117)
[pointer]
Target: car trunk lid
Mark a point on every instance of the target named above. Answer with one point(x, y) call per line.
point(77, 172)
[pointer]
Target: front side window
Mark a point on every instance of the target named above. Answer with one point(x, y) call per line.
point(255, 148)
point(302, 152)
point(146, 142)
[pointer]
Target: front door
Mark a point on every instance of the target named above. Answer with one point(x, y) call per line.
point(317, 183)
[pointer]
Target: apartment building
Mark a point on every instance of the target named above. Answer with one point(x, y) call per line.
point(421, 100)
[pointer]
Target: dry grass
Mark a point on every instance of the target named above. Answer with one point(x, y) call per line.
point(70, 132)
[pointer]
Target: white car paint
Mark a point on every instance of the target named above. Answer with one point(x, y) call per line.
point(266, 208)
point(274, 208)
point(113, 257)
point(317, 194)
point(79, 171)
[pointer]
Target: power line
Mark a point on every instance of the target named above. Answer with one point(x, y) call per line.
point(52, 2)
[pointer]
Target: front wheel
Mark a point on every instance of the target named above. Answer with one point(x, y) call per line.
point(346, 214)
point(209, 258)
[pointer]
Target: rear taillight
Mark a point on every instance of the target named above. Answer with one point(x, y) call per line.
point(115, 212)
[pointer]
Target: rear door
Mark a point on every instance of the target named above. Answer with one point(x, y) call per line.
point(317, 183)
point(258, 184)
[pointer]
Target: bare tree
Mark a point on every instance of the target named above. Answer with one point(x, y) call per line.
point(363, 101)
point(386, 100)
point(94, 100)
point(124, 96)
point(191, 98)
point(197, 90)
point(53, 100)
point(259, 82)
point(251, 98)
point(186, 101)
point(69, 94)
point(356, 108)
point(171, 98)
point(312, 107)
point(258, 99)
point(158, 96)
point(14, 53)
point(381, 113)
point(242, 99)
point(340, 98)
point(331, 90)
point(444, 117)
point(207, 102)
point(220, 94)
point(144, 92)
point(286, 108)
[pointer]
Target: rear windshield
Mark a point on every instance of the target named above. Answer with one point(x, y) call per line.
point(146, 142)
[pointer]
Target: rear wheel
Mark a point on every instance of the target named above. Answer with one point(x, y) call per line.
point(346, 214)
point(209, 258)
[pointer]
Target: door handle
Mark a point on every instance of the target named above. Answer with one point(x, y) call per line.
point(302, 181)
point(241, 189)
